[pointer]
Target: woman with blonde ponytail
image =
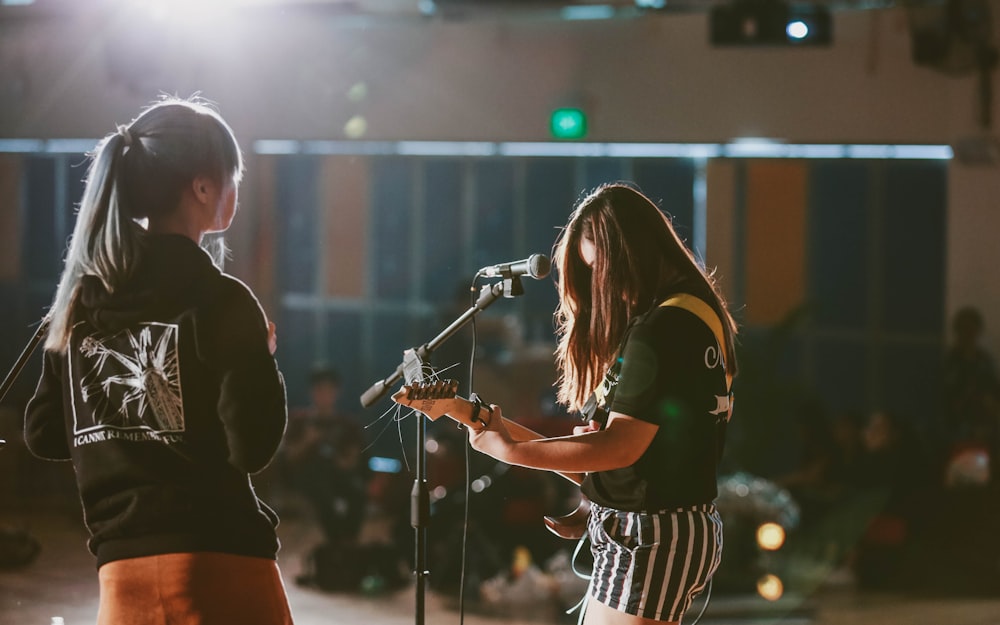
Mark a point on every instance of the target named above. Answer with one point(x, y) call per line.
point(159, 382)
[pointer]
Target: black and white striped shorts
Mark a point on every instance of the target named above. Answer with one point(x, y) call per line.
point(653, 564)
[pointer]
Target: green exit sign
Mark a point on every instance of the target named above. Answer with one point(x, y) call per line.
point(568, 124)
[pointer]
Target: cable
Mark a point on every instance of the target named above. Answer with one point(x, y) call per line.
point(708, 597)
point(468, 473)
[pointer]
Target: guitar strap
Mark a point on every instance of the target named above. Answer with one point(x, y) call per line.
point(703, 311)
point(699, 308)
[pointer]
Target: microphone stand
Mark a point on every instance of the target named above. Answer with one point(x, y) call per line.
point(22, 360)
point(412, 370)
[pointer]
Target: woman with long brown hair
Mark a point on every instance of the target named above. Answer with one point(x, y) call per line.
point(645, 355)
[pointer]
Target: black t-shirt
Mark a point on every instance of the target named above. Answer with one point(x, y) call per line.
point(669, 372)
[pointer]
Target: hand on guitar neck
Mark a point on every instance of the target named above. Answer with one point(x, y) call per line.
point(438, 399)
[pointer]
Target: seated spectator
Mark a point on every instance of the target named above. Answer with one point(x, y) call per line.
point(889, 483)
point(323, 459)
point(971, 391)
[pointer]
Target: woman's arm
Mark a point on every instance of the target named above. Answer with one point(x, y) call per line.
point(251, 404)
point(618, 445)
point(45, 418)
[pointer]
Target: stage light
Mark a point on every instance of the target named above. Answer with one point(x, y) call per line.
point(358, 92)
point(770, 536)
point(809, 25)
point(356, 127)
point(797, 29)
point(770, 23)
point(770, 587)
point(568, 123)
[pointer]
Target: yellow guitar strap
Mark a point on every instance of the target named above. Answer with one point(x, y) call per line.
point(703, 311)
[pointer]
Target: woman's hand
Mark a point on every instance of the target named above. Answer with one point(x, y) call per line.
point(592, 426)
point(494, 439)
point(272, 337)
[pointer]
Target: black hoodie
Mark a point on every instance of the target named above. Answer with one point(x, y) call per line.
point(166, 399)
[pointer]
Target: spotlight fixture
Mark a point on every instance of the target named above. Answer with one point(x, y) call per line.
point(770, 23)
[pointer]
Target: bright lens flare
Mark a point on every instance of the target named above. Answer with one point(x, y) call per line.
point(770, 587)
point(770, 536)
point(797, 29)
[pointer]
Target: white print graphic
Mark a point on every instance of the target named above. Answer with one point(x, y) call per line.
point(713, 357)
point(723, 406)
point(130, 386)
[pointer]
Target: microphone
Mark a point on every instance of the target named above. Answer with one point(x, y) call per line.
point(536, 266)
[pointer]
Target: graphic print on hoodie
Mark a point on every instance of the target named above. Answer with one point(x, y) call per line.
point(130, 384)
point(166, 400)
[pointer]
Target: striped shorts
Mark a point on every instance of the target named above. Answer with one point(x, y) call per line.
point(653, 564)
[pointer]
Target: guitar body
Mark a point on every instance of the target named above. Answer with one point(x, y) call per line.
point(571, 526)
point(438, 399)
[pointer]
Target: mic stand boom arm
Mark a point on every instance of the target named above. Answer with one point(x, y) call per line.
point(510, 287)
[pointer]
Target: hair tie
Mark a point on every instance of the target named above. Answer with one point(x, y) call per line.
point(126, 135)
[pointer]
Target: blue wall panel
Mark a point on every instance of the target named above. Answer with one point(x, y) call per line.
point(837, 251)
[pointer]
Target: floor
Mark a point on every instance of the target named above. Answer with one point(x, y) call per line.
point(59, 588)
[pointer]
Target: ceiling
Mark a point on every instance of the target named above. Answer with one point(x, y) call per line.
point(423, 9)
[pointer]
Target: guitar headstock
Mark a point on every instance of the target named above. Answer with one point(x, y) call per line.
point(441, 389)
point(435, 399)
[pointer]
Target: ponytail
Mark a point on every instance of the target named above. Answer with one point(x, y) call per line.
point(138, 171)
point(105, 241)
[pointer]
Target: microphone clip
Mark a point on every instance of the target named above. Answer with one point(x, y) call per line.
point(512, 287)
point(508, 288)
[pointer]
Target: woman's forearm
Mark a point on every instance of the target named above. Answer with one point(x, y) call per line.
point(612, 448)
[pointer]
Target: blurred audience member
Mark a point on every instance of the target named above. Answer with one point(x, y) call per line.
point(324, 460)
point(971, 390)
point(809, 480)
point(830, 468)
point(891, 477)
point(845, 434)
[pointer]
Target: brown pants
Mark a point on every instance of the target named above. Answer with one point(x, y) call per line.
point(192, 589)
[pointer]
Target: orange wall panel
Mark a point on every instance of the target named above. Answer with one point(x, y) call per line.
point(775, 262)
point(344, 199)
point(10, 222)
point(720, 231)
point(262, 231)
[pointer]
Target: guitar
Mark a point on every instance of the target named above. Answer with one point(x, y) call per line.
point(439, 399)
